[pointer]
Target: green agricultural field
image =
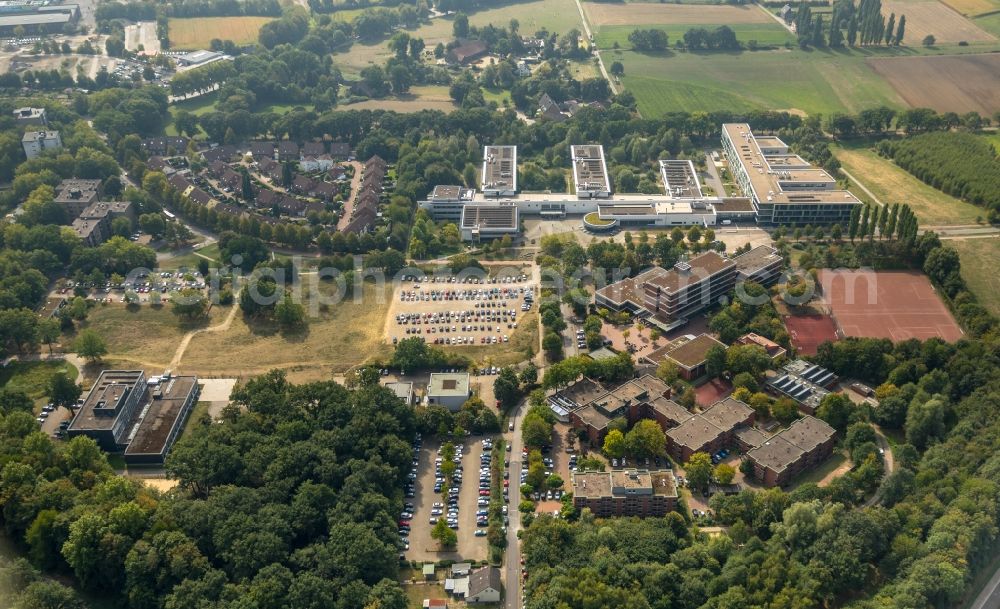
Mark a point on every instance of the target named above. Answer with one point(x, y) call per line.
point(978, 257)
point(892, 184)
point(766, 34)
point(821, 82)
point(990, 23)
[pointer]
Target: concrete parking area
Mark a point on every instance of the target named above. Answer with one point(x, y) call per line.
point(457, 313)
point(422, 546)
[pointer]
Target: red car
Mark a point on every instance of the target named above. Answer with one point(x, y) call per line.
point(404, 523)
point(484, 493)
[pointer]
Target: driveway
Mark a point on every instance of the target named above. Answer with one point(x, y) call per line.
point(216, 392)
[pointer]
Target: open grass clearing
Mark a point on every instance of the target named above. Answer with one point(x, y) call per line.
point(145, 335)
point(335, 338)
point(980, 259)
point(33, 377)
point(892, 184)
point(953, 83)
point(191, 259)
point(424, 97)
point(821, 82)
point(642, 15)
point(198, 33)
point(766, 34)
point(937, 19)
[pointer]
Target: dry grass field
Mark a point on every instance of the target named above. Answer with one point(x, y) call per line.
point(145, 335)
point(891, 184)
point(943, 22)
point(419, 98)
point(978, 256)
point(335, 339)
point(600, 14)
point(962, 83)
point(189, 34)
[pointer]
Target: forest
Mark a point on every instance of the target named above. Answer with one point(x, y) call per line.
point(290, 502)
point(958, 163)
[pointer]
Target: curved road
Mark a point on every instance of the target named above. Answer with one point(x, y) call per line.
point(889, 462)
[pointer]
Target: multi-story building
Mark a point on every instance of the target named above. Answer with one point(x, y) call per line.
point(590, 172)
point(763, 264)
point(489, 221)
point(37, 142)
point(75, 195)
point(447, 202)
point(125, 412)
point(691, 286)
point(110, 408)
point(627, 492)
point(806, 443)
point(94, 224)
point(804, 382)
point(784, 188)
point(689, 353)
point(709, 431)
point(499, 178)
point(31, 116)
point(448, 389)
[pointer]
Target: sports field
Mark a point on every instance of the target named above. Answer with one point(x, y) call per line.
point(821, 82)
point(931, 17)
point(897, 305)
point(198, 33)
point(979, 257)
point(642, 15)
point(809, 331)
point(892, 184)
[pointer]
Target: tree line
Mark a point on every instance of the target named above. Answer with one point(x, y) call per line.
point(851, 25)
point(963, 165)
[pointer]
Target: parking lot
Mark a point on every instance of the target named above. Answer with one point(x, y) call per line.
point(139, 288)
point(454, 311)
point(470, 547)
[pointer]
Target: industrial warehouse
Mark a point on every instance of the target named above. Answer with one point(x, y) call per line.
point(778, 188)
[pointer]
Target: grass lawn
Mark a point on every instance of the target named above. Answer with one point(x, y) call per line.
point(33, 377)
point(336, 337)
point(766, 34)
point(144, 335)
point(980, 259)
point(197, 106)
point(198, 33)
point(892, 184)
point(200, 409)
point(822, 82)
point(190, 259)
point(416, 593)
point(817, 474)
point(993, 137)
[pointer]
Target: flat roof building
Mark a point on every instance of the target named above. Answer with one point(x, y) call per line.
point(448, 389)
point(806, 443)
point(783, 193)
point(688, 352)
point(709, 431)
point(169, 402)
point(94, 224)
point(489, 221)
point(680, 180)
point(446, 202)
point(37, 142)
point(763, 264)
point(499, 177)
point(124, 411)
point(627, 492)
point(403, 391)
point(590, 172)
point(30, 116)
point(75, 195)
point(804, 382)
point(590, 408)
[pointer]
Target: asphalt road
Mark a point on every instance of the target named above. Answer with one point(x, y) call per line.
point(989, 598)
point(512, 570)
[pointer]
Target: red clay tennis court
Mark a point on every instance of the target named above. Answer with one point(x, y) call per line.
point(808, 331)
point(897, 305)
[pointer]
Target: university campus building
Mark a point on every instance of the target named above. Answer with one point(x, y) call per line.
point(142, 418)
point(784, 188)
